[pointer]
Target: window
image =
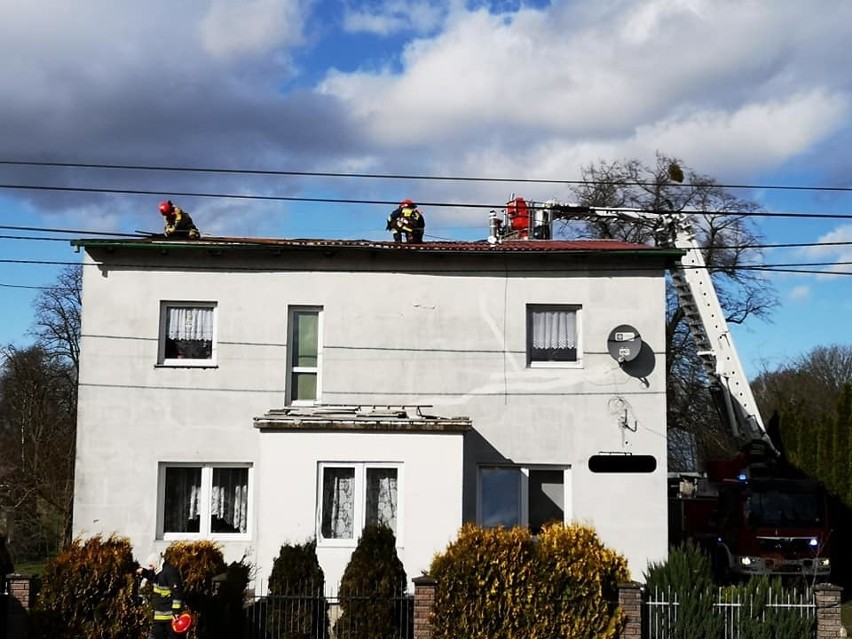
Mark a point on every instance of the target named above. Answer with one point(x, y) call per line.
point(203, 500)
point(186, 334)
point(352, 496)
point(304, 361)
point(511, 496)
point(552, 335)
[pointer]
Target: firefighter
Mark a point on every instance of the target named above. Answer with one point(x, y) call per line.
point(178, 222)
point(167, 603)
point(407, 223)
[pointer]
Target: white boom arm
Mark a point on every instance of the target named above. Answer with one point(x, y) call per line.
point(702, 311)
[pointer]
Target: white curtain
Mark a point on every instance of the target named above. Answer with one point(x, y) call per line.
point(338, 503)
point(229, 500)
point(554, 329)
point(190, 323)
point(382, 497)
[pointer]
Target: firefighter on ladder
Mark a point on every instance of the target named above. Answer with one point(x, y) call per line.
point(406, 223)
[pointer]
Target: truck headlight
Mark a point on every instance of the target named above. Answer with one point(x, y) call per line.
point(825, 562)
point(745, 561)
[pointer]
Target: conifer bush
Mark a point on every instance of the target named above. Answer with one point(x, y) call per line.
point(372, 589)
point(759, 620)
point(687, 574)
point(216, 604)
point(296, 587)
point(88, 591)
point(503, 583)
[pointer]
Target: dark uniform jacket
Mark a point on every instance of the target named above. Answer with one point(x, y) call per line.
point(167, 592)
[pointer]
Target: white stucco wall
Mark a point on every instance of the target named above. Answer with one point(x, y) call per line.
point(429, 496)
point(446, 334)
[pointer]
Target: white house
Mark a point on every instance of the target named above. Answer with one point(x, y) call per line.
point(260, 392)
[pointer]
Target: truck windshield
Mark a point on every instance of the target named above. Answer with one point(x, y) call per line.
point(771, 507)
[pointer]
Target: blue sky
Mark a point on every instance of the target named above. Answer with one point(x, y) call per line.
point(752, 92)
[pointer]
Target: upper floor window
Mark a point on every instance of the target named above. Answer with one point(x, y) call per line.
point(203, 500)
point(514, 496)
point(553, 337)
point(187, 333)
point(305, 353)
point(352, 496)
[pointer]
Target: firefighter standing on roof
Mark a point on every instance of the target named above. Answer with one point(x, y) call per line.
point(407, 223)
point(178, 222)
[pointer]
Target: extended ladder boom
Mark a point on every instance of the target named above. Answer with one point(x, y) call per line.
point(702, 311)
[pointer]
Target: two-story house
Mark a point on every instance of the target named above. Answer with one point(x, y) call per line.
point(262, 391)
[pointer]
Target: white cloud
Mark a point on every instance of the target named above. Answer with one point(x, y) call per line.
point(234, 27)
point(393, 17)
point(799, 293)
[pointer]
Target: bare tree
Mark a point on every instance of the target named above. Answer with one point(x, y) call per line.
point(731, 244)
point(57, 317)
point(38, 414)
point(37, 432)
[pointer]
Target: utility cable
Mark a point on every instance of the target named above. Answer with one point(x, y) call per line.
point(322, 200)
point(395, 176)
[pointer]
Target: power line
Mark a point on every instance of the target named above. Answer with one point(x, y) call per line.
point(395, 176)
point(324, 200)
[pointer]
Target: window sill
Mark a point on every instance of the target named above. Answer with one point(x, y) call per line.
point(218, 537)
point(186, 364)
point(577, 364)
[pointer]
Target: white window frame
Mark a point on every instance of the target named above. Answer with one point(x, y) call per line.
point(577, 309)
point(165, 305)
point(291, 345)
point(524, 490)
point(360, 506)
point(204, 531)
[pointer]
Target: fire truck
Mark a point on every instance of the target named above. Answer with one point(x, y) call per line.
point(753, 514)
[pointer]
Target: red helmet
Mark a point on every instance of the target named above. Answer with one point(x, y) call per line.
point(166, 207)
point(405, 203)
point(182, 623)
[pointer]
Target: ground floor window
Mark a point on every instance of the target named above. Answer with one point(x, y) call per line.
point(353, 495)
point(203, 500)
point(521, 496)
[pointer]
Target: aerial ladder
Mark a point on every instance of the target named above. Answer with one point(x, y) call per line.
point(696, 293)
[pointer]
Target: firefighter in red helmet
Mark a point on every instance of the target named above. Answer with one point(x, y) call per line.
point(407, 223)
point(178, 222)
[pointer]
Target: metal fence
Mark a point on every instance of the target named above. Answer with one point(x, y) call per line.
point(733, 609)
point(329, 617)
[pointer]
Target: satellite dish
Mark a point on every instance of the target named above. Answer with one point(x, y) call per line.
point(624, 343)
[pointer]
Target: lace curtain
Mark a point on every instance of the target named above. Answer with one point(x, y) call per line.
point(229, 500)
point(338, 503)
point(382, 497)
point(190, 323)
point(554, 329)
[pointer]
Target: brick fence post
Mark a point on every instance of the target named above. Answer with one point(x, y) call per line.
point(630, 604)
point(21, 597)
point(827, 598)
point(424, 598)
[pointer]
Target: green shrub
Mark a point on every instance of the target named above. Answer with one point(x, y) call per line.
point(372, 588)
point(686, 575)
point(759, 620)
point(502, 583)
point(87, 591)
point(297, 608)
point(213, 591)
